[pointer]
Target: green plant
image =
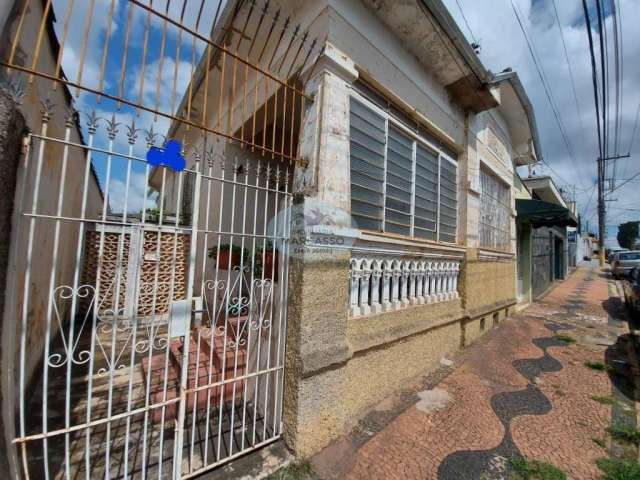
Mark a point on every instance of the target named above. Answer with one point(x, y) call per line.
point(616, 469)
point(599, 366)
point(293, 471)
point(600, 442)
point(565, 338)
point(626, 433)
point(523, 469)
point(628, 234)
point(604, 400)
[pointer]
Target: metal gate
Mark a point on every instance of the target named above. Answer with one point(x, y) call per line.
point(151, 252)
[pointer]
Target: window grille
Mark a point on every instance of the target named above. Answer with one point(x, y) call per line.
point(495, 213)
point(399, 183)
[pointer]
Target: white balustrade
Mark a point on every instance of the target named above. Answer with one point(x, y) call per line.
point(387, 284)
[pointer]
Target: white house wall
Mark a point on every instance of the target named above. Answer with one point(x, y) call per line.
point(356, 31)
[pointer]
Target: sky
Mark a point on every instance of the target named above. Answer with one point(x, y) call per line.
point(146, 39)
point(493, 24)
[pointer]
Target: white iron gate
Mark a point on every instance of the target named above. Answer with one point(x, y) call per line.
point(190, 375)
point(149, 286)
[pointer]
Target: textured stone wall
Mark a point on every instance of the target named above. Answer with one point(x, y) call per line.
point(488, 285)
point(338, 368)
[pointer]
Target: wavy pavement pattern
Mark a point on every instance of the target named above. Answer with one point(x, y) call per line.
point(493, 464)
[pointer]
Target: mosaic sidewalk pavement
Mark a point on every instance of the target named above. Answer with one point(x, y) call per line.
point(519, 391)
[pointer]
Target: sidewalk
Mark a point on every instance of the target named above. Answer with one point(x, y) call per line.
point(524, 390)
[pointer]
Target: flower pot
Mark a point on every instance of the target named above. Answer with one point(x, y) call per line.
point(223, 259)
point(271, 265)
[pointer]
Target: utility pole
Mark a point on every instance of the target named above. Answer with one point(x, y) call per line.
point(601, 211)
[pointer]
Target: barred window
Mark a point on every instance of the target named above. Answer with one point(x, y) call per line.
point(399, 183)
point(495, 212)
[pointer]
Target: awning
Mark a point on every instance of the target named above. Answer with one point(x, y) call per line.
point(544, 214)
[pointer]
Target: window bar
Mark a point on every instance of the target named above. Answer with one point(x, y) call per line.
point(111, 133)
point(63, 39)
point(143, 65)
point(185, 353)
point(163, 44)
point(14, 45)
point(116, 314)
point(203, 292)
point(43, 22)
point(216, 284)
point(240, 330)
point(259, 350)
point(96, 303)
point(134, 335)
point(232, 98)
point(384, 182)
point(46, 116)
point(125, 51)
point(438, 199)
point(195, 216)
point(154, 306)
point(225, 306)
point(194, 236)
point(273, 267)
point(176, 64)
point(251, 289)
point(53, 290)
point(277, 46)
point(105, 50)
point(283, 274)
point(414, 161)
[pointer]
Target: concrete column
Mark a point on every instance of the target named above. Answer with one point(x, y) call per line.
point(319, 272)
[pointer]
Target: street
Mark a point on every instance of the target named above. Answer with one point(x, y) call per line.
point(551, 384)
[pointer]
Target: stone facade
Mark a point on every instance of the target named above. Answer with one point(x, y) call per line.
point(346, 349)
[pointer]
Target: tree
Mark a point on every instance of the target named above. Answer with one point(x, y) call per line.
point(628, 234)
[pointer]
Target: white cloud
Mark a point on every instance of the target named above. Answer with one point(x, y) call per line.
point(76, 45)
point(503, 46)
point(133, 196)
point(165, 83)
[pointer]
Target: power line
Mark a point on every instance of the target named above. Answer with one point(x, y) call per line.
point(617, 66)
point(635, 127)
point(573, 84)
point(600, 163)
point(473, 37)
point(545, 86)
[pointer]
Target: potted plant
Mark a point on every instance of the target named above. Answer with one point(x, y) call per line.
point(270, 256)
point(227, 253)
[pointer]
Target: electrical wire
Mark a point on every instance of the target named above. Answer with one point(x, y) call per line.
point(540, 70)
point(473, 37)
point(594, 72)
point(573, 84)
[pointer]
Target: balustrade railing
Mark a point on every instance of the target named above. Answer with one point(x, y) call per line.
point(381, 285)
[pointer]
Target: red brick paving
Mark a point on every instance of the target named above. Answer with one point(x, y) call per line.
point(414, 444)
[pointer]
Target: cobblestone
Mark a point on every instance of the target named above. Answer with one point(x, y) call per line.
point(519, 390)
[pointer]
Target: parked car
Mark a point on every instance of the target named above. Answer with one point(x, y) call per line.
point(631, 286)
point(613, 252)
point(624, 262)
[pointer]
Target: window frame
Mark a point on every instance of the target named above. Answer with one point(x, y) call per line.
point(417, 140)
point(489, 172)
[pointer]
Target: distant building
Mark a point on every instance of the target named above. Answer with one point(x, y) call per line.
point(544, 219)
